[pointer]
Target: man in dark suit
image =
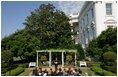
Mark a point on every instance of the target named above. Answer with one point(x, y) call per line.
point(56, 64)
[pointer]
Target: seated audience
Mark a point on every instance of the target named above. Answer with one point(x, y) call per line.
point(60, 73)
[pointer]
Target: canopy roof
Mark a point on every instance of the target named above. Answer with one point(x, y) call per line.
point(56, 50)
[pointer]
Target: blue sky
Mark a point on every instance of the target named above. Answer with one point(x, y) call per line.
point(14, 13)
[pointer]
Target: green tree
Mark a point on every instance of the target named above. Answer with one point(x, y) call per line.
point(106, 41)
point(80, 52)
point(6, 57)
point(21, 44)
point(51, 26)
point(108, 36)
point(93, 51)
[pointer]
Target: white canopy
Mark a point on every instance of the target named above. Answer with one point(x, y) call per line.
point(50, 56)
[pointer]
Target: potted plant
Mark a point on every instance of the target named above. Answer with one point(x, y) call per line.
point(43, 59)
point(69, 59)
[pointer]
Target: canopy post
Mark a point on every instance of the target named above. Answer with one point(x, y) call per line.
point(50, 56)
point(37, 60)
point(62, 59)
point(75, 59)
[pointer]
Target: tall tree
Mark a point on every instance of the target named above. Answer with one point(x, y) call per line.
point(51, 26)
point(21, 44)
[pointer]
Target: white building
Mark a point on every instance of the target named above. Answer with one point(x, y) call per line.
point(94, 17)
point(74, 22)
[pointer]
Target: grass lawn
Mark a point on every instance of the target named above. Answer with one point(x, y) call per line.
point(89, 72)
point(26, 72)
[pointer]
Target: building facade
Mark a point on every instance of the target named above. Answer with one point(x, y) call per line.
point(94, 17)
point(74, 23)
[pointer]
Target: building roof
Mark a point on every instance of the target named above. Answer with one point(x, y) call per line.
point(83, 8)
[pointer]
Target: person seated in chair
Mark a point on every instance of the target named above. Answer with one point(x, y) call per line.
point(45, 72)
point(51, 72)
point(60, 73)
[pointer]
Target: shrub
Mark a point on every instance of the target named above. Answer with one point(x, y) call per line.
point(15, 72)
point(110, 56)
point(111, 68)
point(107, 73)
point(109, 61)
point(97, 70)
point(69, 58)
point(90, 64)
point(39, 63)
point(101, 72)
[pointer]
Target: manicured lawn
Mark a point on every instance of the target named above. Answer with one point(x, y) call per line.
point(88, 71)
point(26, 72)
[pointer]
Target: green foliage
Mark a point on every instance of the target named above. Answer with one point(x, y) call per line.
point(43, 58)
point(25, 65)
point(114, 47)
point(109, 61)
point(51, 26)
point(110, 56)
point(107, 73)
point(69, 58)
point(21, 44)
point(112, 68)
point(93, 50)
point(102, 72)
point(106, 41)
point(26, 72)
point(107, 48)
point(90, 64)
point(97, 70)
point(107, 36)
point(6, 56)
point(80, 53)
point(39, 63)
point(15, 72)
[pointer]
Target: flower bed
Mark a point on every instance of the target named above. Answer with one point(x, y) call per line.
point(68, 66)
point(43, 66)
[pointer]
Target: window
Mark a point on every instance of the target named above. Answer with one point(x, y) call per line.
point(87, 18)
point(92, 12)
point(108, 9)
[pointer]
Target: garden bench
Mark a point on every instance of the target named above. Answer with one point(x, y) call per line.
point(32, 64)
point(83, 64)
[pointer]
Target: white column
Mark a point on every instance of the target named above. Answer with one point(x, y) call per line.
point(37, 60)
point(50, 56)
point(75, 59)
point(62, 59)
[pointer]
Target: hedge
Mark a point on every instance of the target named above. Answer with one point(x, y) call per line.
point(97, 70)
point(108, 73)
point(111, 68)
point(15, 72)
point(102, 72)
point(110, 56)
